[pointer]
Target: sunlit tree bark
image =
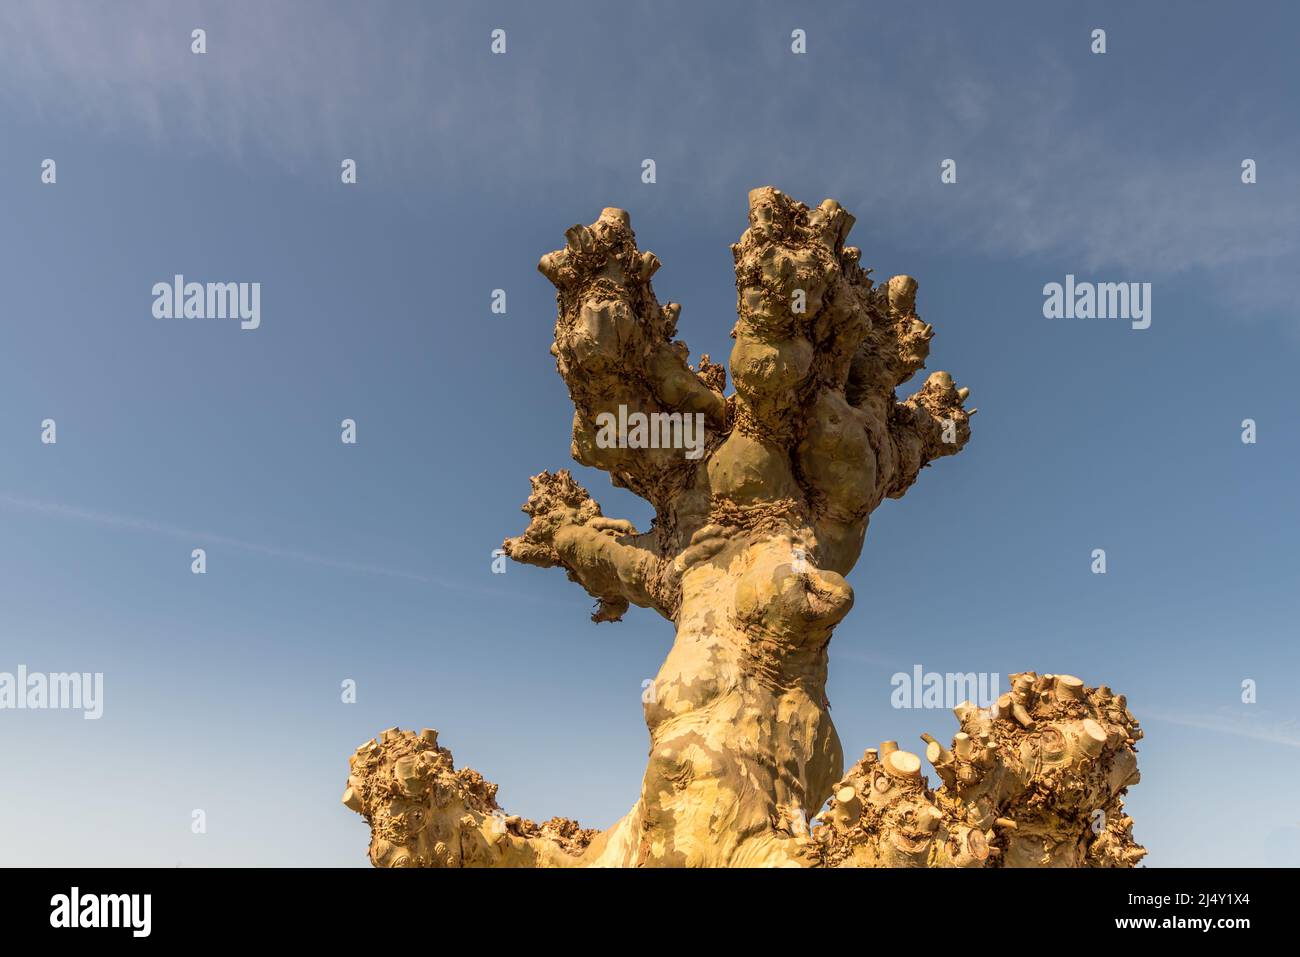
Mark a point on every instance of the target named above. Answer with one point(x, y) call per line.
point(759, 515)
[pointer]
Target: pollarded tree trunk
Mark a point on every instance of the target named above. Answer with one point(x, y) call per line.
point(761, 506)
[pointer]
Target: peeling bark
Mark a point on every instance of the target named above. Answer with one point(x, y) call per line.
point(746, 556)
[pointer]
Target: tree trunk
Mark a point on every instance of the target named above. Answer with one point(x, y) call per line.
point(761, 509)
point(743, 750)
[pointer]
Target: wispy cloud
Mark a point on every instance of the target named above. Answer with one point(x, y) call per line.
point(1257, 726)
point(286, 82)
point(1053, 162)
point(207, 539)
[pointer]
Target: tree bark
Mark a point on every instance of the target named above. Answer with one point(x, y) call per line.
point(757, 522)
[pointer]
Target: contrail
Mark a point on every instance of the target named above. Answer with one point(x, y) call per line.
point(1284, 733)
point(205, 538)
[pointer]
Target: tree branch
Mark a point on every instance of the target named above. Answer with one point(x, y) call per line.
point(604, 555)
point(424, 813)
point(929, 424)
point(1036, 781)
point(615, 350)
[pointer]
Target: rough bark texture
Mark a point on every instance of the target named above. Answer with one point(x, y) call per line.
point(747, 556)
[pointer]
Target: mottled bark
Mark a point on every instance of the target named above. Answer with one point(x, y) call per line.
point(755, 526)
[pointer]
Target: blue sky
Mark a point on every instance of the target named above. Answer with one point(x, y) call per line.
point(372, 562)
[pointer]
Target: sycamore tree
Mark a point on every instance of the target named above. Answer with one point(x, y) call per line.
point(762, 500)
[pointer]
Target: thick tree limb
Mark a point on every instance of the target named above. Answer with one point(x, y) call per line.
point(1038, 781)
point(614, 349)
point(604, 555)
